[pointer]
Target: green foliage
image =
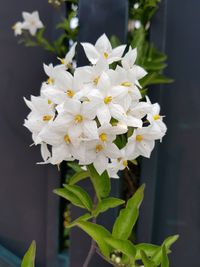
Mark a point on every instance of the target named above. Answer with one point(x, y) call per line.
point(76, 195)
point(99, 234)
point(128, 216)
point(107, 203)
point(101, 183)
point(29, 257)
point(78, 176)
point(149, 57)
point(124, 246)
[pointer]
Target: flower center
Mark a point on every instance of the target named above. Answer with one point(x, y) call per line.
point(70, 93)
point(107, 99)
point(139, 138)
point(78, 118)
point(156, 117)
point(96, 80)
point(49, 102)
point(103, 137)
point(126, 84)
point(50, 81)
point(67, 139)
point(125, 163)
point(98, 148)
point(105, 55)
point(47, 117)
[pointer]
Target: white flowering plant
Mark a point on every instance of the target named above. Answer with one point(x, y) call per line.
point(96, 118)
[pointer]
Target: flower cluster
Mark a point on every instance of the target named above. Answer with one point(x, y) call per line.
point(96, 115)
point(31, 23)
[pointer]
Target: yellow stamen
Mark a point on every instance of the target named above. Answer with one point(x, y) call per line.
point(67, 139)
point(99, 148)
point(62, 61)
point(156, 117)
point(96, 80)
point(107, 99)
point(125, 163)
point(50, 81)
point(78, 118)
point(49, 102)
point(103, 137)
point(105, 55)
point(127, 84)
point(70, 93)
point(14, 26)
point(47, 117)
point(139, 138)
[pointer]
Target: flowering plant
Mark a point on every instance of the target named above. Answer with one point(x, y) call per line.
point(96, 116)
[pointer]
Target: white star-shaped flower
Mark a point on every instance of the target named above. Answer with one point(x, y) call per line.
point(32, 22)
point(102, 50)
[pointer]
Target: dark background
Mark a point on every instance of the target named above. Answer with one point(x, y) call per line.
point(28, 209)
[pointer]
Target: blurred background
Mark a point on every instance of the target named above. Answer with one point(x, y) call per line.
point(28, 208)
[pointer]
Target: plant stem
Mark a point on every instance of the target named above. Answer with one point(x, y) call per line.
point(93, 244)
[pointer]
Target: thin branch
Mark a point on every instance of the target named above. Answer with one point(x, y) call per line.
point(93, 244)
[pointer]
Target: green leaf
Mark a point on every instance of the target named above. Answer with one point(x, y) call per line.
point(128, 216)
point(98, 233)
point(65, 193)
point(165, 260)
point(147, 262)
point(124, 246)
point(157, 256)
point(74, 166)
point(149, 249)
point(84, 218)
point(81, 194)
point(101, 183)
point(29, 257)
point(154, 78)
point(106, 204)
point(78, 176)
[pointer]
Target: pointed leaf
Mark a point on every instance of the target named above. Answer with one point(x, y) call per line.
point(101, 183)
point(81, 194)
point(165, 260)
point(157, 256)
point(29, 257)
point(124, 246)
point(128, 216)
point(63, 192)
point(78, 176)
point(84, 218)
point(98, 233)
point(149, 249)
point(75, 166)
point(106, 204)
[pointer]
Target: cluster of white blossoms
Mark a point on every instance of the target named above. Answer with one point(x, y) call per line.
point(30, 23)
point(97, 114)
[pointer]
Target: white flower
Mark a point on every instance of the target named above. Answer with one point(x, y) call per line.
point(79, 117)
point(18, 27)
point(155, 117)
point(136, 112)
point(103, 50)
point(42, 112)
point(67, 60)
point(32, 22)
point(74, 23)
point(142, 142)
point(109, 100)
point(98, 153)
point(88, 114)
point(56, 135)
